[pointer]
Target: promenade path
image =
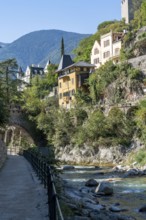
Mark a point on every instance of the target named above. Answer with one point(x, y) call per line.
point(22, 197)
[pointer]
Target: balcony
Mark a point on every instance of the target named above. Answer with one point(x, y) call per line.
point(66, 99)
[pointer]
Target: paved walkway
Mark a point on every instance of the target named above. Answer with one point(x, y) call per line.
point(22, 197)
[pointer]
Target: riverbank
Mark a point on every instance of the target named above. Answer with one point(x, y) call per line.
point(129, 194)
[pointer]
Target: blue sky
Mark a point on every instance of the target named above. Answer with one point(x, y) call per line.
point(19, 17)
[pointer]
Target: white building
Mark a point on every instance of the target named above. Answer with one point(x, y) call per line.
point(32, 71)
point(108, 48)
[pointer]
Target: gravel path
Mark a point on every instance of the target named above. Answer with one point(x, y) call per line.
point(22, 197)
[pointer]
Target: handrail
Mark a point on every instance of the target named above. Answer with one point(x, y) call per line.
point(45, 174)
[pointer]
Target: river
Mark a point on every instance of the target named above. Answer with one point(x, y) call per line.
point(129, 192)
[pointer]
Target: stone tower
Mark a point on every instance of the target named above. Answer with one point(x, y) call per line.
point(125, 10)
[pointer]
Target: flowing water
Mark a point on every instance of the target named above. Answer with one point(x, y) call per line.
point(129, 192)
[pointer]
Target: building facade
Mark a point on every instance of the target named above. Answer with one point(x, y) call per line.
point(108, 48)
point(32, 71)
point(70, 79)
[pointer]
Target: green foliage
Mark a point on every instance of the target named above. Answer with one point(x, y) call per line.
point(8, 87)
point(64, 128)
point(62, 46)
point(108, 82)
point(139, 16)
point(140, 118)
point(82, 97)
point(34, 97)
point(9, 82)
point(83, 51)
point(105, 24)
point(119, 126)
point(99, 80)
point(3, 112)
point(112, 130)
point(140, 157)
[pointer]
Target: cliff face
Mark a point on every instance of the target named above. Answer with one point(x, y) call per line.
point(89, 155)
point(139, 63)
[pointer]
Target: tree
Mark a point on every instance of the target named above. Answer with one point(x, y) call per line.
point(8, 87)
point(140, 118)
point(9, 81)
point(140, 15)
point(99, 80)
point(62, 47)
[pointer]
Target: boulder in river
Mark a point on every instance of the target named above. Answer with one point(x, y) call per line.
point(68, 167)
point(143, 209)
point(91, 183)
point(104, 188)
point(114, 208)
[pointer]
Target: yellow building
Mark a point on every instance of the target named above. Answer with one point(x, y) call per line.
point(71, 77)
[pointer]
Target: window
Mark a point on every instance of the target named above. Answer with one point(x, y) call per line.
point(73, 92)
point(117, 51)
point(96, 61)
point(72, 81)
point(60, 84)
point(96, 51)
point(106, 54)
point(106, 43)
point(60, 95)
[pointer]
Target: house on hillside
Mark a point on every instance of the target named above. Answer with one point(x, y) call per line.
point(107, 49)
point(46, 67)
point(71, 77)
point(32, 71)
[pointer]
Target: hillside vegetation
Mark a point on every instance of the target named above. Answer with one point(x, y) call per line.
point(83, 51)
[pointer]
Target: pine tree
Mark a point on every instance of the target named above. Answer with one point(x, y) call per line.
point(62, 46)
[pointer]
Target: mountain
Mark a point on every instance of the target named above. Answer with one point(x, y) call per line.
point(39, 46)
point(3, 45)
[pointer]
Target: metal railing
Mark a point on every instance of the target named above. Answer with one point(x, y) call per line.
point(45, 174)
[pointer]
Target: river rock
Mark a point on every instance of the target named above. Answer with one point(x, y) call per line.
point(144, 172)
point(94, 207)
point(143, 209)
point(116, 209)
point(68, 167)
point(131, 172)
point(77, 218)
point(91, 183)
point(84, 190)
point(104, 188)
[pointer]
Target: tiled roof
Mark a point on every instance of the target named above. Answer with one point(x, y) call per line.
point(83, 64)
point(64, 62)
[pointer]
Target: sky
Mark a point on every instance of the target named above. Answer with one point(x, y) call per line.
point(19, 17)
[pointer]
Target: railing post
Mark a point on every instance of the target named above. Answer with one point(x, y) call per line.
point(51, 196)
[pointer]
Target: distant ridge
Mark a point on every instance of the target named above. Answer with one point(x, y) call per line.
point(39, 46)
point(3, 44)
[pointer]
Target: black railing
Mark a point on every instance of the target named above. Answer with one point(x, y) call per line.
point(45, 174)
